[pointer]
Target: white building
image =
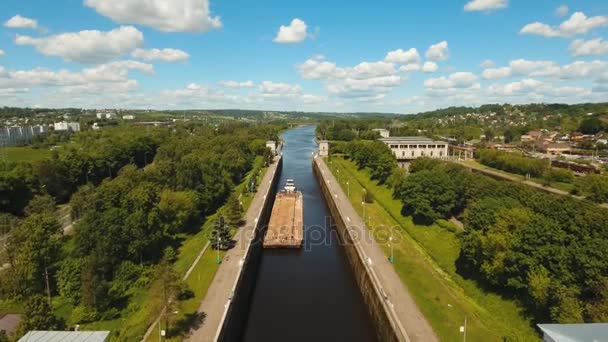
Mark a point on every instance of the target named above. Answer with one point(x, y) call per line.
point(383, 132)
point(272, 145)
point(128, 117)
point(67, 126)
point(106, 115)
point(323, 148)
point(408, 148)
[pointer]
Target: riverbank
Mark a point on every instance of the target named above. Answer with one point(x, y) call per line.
point(393, 309)
point(219, 302)
point(425, 261)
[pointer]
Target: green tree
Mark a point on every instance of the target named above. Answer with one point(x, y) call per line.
point(595, 187)
point(220, 235)
point(234, 211)
point(40, 204)
point(165, 286)
point(38, 315)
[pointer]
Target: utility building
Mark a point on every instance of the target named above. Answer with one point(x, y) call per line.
point(323, 148)
point(383, 132)
point(409, 148)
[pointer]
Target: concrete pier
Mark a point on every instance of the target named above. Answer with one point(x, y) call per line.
point(226, 304)
point(392, 308)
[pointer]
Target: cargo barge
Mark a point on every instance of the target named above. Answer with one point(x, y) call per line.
point(286, 226)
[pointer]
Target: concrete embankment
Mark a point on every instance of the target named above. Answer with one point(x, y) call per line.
point(394, 313)
point(226, 304)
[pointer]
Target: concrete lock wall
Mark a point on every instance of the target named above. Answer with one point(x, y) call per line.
point(369, 290)
point(236, 314)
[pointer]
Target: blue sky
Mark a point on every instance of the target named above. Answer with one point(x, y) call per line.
point(391, 56)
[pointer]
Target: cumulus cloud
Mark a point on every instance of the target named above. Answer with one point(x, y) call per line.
point(399, 56)
point(21, 22)
point(90, 46)
point(455, 80)
point(485, 5)
point(410, 67)
point(591, 47)
point(165, 55)
point(578, 23)
point(295, 32)
point(522, 67)
point(278, 88)
point(236, 84)
point(364, 80)
point(532, 88)
point(429, 67)
point(110, 73)
point(438, 52)
point(2, 53)
point(163, 15)
point(561, 11)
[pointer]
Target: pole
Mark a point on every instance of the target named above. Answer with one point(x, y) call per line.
point(48, 287)
point(218, 250)
point(348, 187)
point(392, 260)
point(464, 339)
point(160, 334)
point(363, 204)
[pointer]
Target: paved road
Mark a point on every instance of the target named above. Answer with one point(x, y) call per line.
point(215, 302)
point(396, 293)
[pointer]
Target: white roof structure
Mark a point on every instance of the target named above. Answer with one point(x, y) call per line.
point(65, 336)
point(588, 332)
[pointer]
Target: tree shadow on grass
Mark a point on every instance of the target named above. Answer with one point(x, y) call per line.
point(191, 321)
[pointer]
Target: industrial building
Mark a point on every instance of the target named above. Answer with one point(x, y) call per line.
point(16, 135)
point(383, 132)
point(409, 148)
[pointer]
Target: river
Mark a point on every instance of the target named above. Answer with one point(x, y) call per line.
point(308, 294)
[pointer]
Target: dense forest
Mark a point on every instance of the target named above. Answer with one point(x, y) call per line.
point(134, 194)
point(547, 251)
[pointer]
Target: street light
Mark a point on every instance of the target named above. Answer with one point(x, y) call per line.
point(160, 319)
point(363, 204)
point(392, 258)
point(348, 187)
point(219, 261)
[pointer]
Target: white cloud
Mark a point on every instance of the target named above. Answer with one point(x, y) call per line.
point(485, 5)
point(163, 15)
point(293, 33)
point(578, 23)
point(21, 22)
point(278, 88)
point(410, 67)
point(561, 11)
point(111, 73)
point(90, 46)
point(535, 89)
point(522, 67)
point(591, 47)
point(236, 84)
point(2, 53)
point(438, 52)
point(429, 67)
point(165, 55)
point(455, 80)
point(488, 63)
point(399, 56)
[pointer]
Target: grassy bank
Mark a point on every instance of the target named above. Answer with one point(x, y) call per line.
point(26, 153)
point(425, 261)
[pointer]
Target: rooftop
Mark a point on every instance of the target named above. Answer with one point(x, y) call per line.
point(589, 332)
point(65, 336)
point(412, 140)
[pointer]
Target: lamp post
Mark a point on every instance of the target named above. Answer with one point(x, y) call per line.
point(392, 258)
point(219, 240)
point(363, 205)
point(348, 188)
point(160, 319)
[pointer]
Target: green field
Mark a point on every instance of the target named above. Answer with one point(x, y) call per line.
point(25, 153)
point(425, 261)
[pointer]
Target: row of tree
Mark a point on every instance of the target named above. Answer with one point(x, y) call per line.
point(130, 221)
point(544, 249)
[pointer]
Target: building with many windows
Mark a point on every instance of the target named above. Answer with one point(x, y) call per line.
point(383, 132)
point(17, 135)
point(409, 148)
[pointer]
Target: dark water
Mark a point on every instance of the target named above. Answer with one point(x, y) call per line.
point(308, 294)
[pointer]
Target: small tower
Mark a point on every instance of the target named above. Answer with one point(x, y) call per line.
point(272, 145)
point(323, 148)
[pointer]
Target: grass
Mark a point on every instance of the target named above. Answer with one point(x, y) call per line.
point(567, 187)
point(26, 153)
point(425, 261)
